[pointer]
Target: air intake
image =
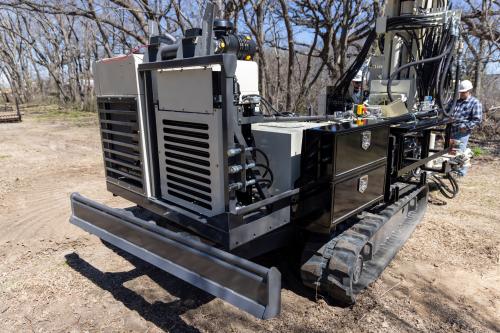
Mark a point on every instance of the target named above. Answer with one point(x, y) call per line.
point(189, 160)
point(118, 120)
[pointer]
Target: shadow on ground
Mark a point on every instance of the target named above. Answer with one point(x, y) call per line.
point(164, 315)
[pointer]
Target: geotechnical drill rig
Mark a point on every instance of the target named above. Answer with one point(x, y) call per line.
point(220, 177)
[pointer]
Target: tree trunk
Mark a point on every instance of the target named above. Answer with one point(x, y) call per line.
point(291, 54)
point(480, 64)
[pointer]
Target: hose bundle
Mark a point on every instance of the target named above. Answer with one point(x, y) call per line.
point(437, 52)
point(345, 79)
point(437, 67)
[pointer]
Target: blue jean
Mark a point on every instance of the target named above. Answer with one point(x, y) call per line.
point(464, 139)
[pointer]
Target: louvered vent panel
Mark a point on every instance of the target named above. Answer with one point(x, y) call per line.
point(120, 141)
point(191, 160)
point(187, 160)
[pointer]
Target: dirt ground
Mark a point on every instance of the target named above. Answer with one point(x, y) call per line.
point(56, 278)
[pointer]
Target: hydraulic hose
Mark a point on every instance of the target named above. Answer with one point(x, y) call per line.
point(448, 50)
point(442, 80)
point(441, 101)
point(445, 190)
point(448, 111)
point(342, 84)
point(268, 171)
point(267, 168)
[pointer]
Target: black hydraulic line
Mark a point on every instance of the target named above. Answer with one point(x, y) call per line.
point(442, 80)
point(448, 192)
point(343, 82)
point(268, 201)
point(448, 110)
point(416, 63)
point(407, 22)
point(266, 103)
point(414, 21)
point(268, 170)
point(267, 181)
point(445, 190)
point(258, 186)
point(263, 154)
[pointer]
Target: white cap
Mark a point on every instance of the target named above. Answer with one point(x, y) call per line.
point(358, 77)
point(465, 85)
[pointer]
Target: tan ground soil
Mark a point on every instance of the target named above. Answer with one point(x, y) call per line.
point(57, 278)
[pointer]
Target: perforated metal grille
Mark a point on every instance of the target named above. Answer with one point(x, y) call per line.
point(120, 141)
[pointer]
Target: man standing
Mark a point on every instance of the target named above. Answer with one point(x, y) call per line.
point(467, 114)
point(357, 95)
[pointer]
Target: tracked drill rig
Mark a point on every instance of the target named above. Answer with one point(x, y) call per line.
point(220, 177)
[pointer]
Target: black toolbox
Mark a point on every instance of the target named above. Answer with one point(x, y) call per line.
point(343, 171)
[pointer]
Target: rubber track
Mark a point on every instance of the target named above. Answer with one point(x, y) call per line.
point(330, 269)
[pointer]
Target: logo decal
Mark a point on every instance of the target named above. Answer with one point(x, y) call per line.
point(363, 184)
point(366, 138)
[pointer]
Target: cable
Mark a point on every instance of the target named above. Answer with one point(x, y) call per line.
point(448, 111)
point(263, 155)
point(267, 104)
point(445, 190)
point(342, 84)
point(409, 21)
point(415, 63)
point(268, 170)
point(268, 182)
point(436, 40)
point(260, 191)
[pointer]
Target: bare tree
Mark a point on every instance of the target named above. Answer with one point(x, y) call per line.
point(481, 33)
point(303, 45)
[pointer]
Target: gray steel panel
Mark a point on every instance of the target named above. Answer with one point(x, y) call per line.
point(282, 142)
point(255, 229)
point(186, 89)
point(117, 76)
